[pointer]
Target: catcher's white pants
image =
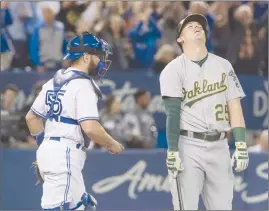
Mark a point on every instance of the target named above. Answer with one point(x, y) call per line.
point(207, 171)
point(60, 165)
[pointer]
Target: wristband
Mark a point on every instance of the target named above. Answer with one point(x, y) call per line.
point(239, 134)
point(39, 137)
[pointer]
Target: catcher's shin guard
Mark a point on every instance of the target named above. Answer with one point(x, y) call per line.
point(86, 200)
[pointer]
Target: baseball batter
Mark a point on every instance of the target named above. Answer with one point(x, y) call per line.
point(201, 95)
point(68, 104)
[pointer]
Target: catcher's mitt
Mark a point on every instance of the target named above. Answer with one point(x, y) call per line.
point(37, 172)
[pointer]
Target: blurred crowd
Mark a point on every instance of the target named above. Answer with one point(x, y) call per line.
point(135, 128)
point(143, 34)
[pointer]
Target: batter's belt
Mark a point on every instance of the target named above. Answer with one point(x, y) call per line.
point(204, 136)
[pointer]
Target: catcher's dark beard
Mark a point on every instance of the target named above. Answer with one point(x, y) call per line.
point(92, 68)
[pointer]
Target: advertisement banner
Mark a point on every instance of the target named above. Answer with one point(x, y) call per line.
point(134, 180)
point(124, 85)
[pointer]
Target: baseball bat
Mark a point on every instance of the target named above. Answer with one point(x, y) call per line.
point(180, 199)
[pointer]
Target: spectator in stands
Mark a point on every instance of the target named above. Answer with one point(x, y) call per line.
point(26, 15)
point(70, 14)
point(111, 118)
point(165, 54)
point(143, 38)
point(140, 128)
point(158, 9)
point(243, 50)
point(89, 17)
point(171, 12)
point(261, 15)
point(220, 33)
point(24, 137)
point(259, 8)
point(113, 8)
point(113, 32)
point(7, 49)
point(262, 26)
point(34, 93)
point(9, 98)
point(261, 144)
point(48, 44)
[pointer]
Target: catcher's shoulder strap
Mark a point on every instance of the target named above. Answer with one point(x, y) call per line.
point(82, 75)
point(62, 77)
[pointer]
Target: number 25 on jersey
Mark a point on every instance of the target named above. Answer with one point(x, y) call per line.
point(221, 112)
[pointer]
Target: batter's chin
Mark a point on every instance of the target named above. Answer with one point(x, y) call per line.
point(200, 37)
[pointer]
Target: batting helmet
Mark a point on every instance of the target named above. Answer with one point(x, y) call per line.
point(193, 17)
point(88, 43)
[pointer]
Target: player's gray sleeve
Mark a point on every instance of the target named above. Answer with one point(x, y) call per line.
point(170, 82)
point(172, 110)
point(234, 89)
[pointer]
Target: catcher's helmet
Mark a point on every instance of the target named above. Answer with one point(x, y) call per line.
point(88, 43)
point(193, 17)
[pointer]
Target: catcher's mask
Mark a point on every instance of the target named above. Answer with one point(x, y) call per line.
point(88, 43)
point(193, 17)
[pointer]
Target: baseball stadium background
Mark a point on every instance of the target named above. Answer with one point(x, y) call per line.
point(136, 179)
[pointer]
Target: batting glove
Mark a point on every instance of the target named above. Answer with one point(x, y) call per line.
point(174, 163)
point(240, 156)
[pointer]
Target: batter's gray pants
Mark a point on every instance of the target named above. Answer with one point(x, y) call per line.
point(207, 171)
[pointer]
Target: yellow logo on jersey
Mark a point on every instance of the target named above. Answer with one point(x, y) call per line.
point(207, 90)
